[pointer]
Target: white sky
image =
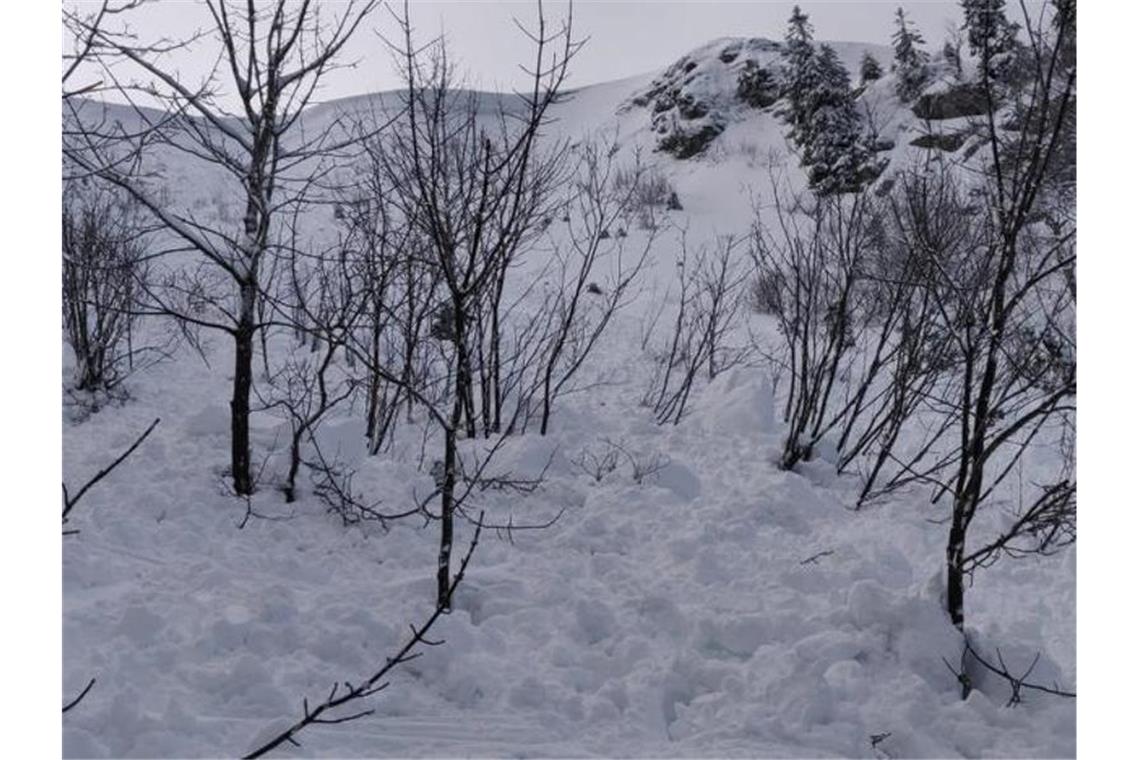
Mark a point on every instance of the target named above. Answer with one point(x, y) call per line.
point(626, 37)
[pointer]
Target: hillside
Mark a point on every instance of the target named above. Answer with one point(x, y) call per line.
point(714, 606)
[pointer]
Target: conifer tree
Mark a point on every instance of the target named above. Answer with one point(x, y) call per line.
point(988, 31)
point(910, 58)
point(991, 36)
point(869, 69)
point(1065, 26)
point(797, 71)
point(834, 149)
point(953, 56)
point(825, 123)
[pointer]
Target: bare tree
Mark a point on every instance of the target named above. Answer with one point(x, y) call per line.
point(474, 193)
point(84, 26)
point(386, 259)
point(1007, 303)
point(710, 293)
point(605, 196)
point(908, 354)
point(812, 271)
point(272, 58)
point(309, 386)
point(105, 261)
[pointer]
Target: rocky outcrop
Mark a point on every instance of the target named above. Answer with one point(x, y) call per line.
point(694, 99)
point(757, 86)
point(686, 142)
point(953, 103)
point(946, 141)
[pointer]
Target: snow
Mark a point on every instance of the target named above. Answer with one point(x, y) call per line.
point(720, 607)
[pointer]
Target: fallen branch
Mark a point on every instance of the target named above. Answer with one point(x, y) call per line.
point(69, 502)
point(1017, 683)
point(375, 683)
point(82, 694)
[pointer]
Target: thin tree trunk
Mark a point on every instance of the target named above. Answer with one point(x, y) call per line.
point(447, 508)
point(955, 586)
point(239, 403)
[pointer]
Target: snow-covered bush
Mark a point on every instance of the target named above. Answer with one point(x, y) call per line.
point(649, 192)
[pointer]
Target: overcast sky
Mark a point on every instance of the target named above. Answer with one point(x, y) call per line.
point(626, 37)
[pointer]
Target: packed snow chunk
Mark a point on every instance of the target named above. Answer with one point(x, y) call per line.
point(740, 402)
point(710, 570)
point(125, 722)
point(818, 651)
point(848, 679)
point(343, 440)
point(679, 479)
point(211, 420)
point(826, 450)
point(684, 548)
point(869, 604)
point(80, 743)
point(805, 702)
point(595, 620)
point(464, 688)
point(616, 693)
point(888, 566)
point(140, 625)
point(677, 688)
point(527, 457)
point(664, 615)
point(736, 636)
point(529, 693)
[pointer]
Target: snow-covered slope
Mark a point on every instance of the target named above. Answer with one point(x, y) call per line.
point(719, 607)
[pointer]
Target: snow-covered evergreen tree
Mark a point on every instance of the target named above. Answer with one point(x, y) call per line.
point(1065, 18)
point(869, 69)
point(820, 108)
point(991, 36)
point(910, 59)
point(988, 31)
point(834, 149)
point(953, 56)
point(797, 71)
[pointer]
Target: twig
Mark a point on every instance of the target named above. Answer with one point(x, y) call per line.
point(251, 512)
point(813, 559)
point(1017, 683)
